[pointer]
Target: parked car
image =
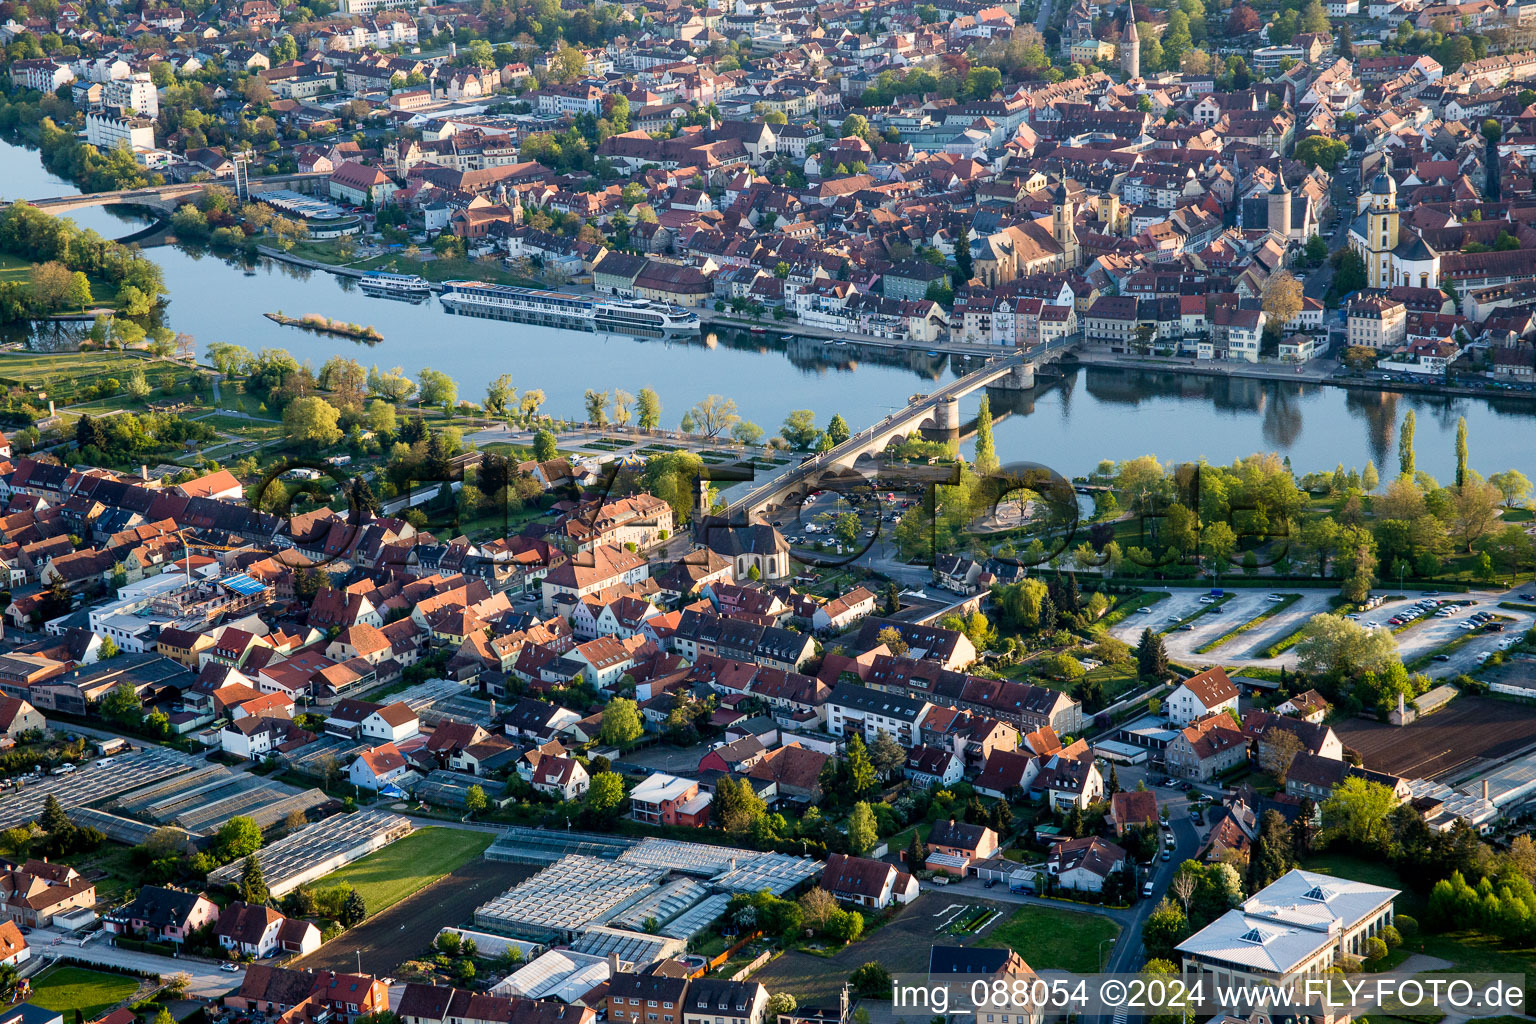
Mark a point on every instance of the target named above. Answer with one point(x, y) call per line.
point(1442, 657)
point(231, 968)
point(1146, 888)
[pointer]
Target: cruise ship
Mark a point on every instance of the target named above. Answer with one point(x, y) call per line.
point(395, 286)
point(639, 317)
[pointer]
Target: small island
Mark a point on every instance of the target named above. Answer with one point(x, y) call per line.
point(325, 325)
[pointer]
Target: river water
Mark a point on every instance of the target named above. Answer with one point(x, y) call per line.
point(1092, 414)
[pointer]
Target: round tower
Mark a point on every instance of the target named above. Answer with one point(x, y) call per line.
point(1280, 206)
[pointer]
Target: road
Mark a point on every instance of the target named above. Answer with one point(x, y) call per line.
point(209, 981)
point(1345, 178)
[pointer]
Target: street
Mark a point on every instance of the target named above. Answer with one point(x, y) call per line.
point(209, 981)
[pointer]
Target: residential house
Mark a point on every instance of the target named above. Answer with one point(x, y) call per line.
point(872, 884)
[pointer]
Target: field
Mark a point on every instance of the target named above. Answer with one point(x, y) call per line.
point(1064, 939)
point(1468, 730)
point(93, 993)
point(902, 945)
point(400, 869)
point(404, 931)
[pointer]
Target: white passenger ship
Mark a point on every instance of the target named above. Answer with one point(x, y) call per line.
point(395, 286)
point(559, 309)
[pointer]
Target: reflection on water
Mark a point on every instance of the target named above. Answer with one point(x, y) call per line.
point(1069, 424)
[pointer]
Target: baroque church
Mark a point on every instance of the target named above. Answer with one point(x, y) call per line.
point(1393, 256)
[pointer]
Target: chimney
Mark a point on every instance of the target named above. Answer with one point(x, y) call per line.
point(1401, 706)
point(143, 471)
point(1485, 789)
point(613, 963)
point(50, 407)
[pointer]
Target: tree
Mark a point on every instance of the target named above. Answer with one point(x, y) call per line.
point(781, 1003)
point(436, 388)
point(312, 421)
point(238, 837)
point(837, 429)
point(986, 454)
point(964, 266)
point(648, 409)
point(1356, 812)
point(1461, 450)
point(1151, 656)
point(871, 980)
point(886, 755)
point(621, 722)
point(1321, 151)
point(1282, 298)
point(499, 396)
point(1333, 644)
point(1405, 456)
point(890, 636)
point(53, 819)
point(800, 429)
point(353, 909)
point(474, 800)
point(1314, 18)
point(109, 649)
point(855, 125)
point(1370, 479)
point(544, 447)
point(1474, 510)
point(253, 886)
point(1167, 925)
point(714, 416)
point(1277, 750)
point(1242, 20)
point(858, 767)
point(1512, 485)
point(605, 796)
point(817, 907)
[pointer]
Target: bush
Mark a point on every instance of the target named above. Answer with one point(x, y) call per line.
point(1405, 926)
point(872, 980)
point(1391, 937)
point(1375, 949)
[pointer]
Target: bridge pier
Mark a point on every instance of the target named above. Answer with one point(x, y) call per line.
point(946, 418)
point(1020, 378)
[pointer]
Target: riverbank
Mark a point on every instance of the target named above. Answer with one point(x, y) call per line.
point(1322, 371)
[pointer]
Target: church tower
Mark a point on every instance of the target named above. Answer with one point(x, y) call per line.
point(1280, 206)
point(1063, 228)
point(1381, 227)
point(1130, 60)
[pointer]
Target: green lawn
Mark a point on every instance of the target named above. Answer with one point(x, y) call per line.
point(1372, 872)
point(1065, 939)
point(400, 869)
point(93, 993)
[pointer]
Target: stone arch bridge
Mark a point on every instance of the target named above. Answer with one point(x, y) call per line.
point(936, 414)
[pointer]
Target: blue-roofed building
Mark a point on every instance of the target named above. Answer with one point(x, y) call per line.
point(243, 584)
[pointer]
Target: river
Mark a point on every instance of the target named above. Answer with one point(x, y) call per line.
point(1090, 415)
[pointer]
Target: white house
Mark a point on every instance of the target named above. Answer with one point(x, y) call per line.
point(392, 723)
point(13, 945)
point(1085, 864)
point(1199, 696)
point(867, 883)
point(563, 777)
point(376, 768)
point(248, 929)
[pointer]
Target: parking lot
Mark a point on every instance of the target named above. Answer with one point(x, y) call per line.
point(1420, 638)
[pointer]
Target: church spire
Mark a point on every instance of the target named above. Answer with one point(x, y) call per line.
point(1131, 59)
